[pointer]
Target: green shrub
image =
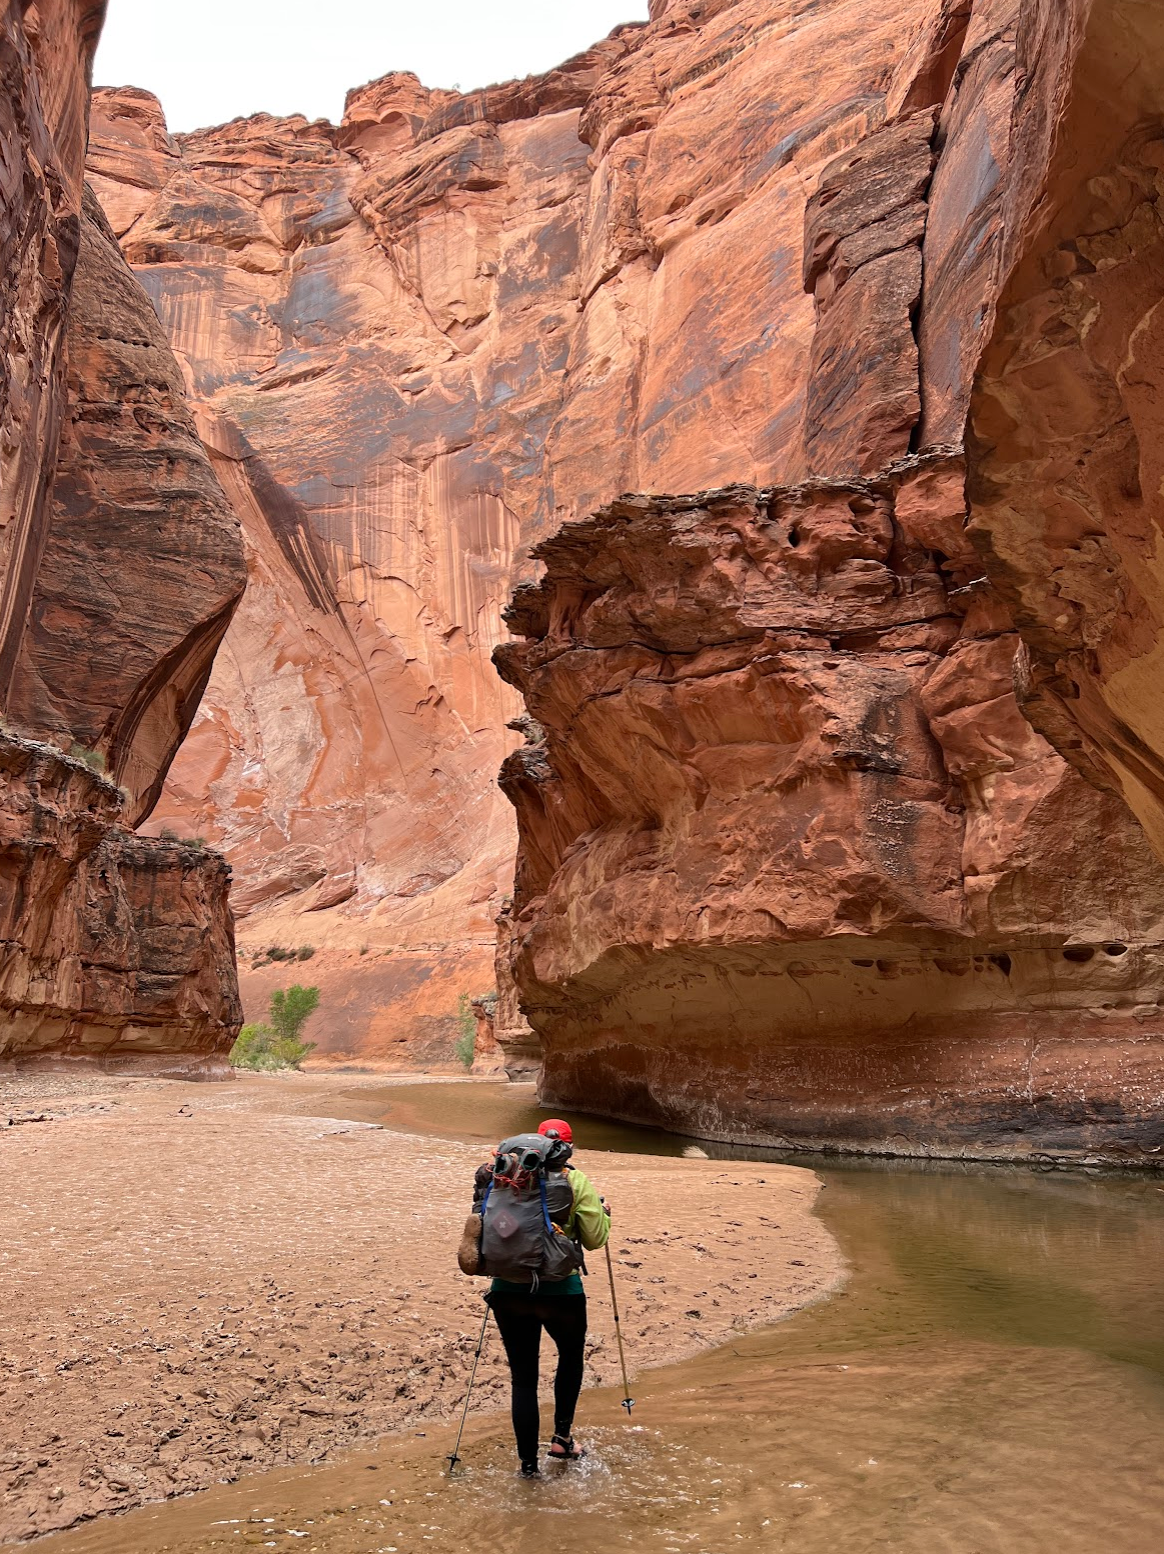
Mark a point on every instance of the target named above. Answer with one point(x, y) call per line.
point(168, 834)
point(306, 951)
point(466, 1042)
point(278, 1043)
point(253, 1048)
point(93, 759)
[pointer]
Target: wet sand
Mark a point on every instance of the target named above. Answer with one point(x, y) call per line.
point(201, 1281)
point(989, 1379)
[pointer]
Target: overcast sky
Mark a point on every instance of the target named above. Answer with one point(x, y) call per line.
point(213, 59)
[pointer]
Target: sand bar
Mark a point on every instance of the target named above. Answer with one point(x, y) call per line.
point(201, 1281)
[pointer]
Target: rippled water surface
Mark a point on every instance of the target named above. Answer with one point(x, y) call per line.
point(990, 1381)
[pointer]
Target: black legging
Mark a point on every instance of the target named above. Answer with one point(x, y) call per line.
point(520, 1319)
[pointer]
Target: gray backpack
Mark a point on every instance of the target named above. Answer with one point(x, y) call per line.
point(524, 1211)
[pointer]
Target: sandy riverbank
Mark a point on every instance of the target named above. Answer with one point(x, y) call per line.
point(198, 1281)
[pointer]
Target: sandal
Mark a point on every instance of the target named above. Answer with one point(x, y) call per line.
point(563, 1449)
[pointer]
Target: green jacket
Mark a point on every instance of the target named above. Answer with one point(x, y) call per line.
point(589, 1221)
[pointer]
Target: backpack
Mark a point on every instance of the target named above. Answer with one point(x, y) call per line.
point(517, 1232)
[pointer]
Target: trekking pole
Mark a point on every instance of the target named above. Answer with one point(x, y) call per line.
point(454, 1455)
point(627, 1401)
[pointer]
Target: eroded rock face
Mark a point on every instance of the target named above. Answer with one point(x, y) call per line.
point(793, 865)
point(45, 58)
point(422, 339)
point(120, 565)
point(142, 568)
point(117, 950)
point(1065, 451)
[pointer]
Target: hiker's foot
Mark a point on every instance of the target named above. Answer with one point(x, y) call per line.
point(563, 1449)
point(530, 1470)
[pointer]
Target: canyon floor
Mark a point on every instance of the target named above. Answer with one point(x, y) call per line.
point(203, 1280)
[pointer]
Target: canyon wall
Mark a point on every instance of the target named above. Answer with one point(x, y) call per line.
point(120, 566)
point(794, 867)
point(1065, 455)
point(118, 950)
point(792, 863)
point(417, 342)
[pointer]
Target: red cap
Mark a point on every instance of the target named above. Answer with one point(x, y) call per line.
point(555, 1126)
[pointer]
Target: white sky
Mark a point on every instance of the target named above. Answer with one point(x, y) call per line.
point(210, 60)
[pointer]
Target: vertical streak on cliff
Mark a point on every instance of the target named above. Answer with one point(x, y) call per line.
point(45, 60)
point(289, 525)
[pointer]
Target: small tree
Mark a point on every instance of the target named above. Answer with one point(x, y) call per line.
point(289, 1013)
point(466, 1042)
point(278, 1043)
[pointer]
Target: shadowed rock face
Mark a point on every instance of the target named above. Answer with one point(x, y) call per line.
point(118, 950)
point(1065, 446)
point(142, 567)
point(45, 61)
point(793, 865)
point(120, 565)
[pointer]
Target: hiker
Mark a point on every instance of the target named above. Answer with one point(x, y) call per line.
point(552, 1299)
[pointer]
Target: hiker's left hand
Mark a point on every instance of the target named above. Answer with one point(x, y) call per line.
point(606, 1206)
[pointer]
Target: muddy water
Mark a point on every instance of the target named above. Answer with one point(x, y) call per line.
point(991, 1380)
point(485, 1113)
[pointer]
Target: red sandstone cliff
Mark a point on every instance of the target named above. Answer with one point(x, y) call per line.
point(1065, 453)
point(748, 241)
point(793, 865)
point(791, 862)
point(417, 343)
point(120, 567)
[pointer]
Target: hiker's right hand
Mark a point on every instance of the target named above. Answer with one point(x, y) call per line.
point(606, 1207)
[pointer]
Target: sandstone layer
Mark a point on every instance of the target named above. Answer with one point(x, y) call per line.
point(118, 951)
point(1065, 452)
point(120, 566)
point(793, 865)
point(420, 340)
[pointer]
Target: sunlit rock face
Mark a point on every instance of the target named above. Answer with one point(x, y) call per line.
point(793, 865)
point(1065, 446)
point(120, 565)
point(417, 343)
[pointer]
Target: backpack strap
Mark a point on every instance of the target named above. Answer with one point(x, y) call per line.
point(545, 1205)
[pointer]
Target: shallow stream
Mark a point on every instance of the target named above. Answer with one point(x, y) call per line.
point(990, 1380)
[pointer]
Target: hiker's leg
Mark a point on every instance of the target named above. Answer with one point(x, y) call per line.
point(565, 1320)
point(521, 1333)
